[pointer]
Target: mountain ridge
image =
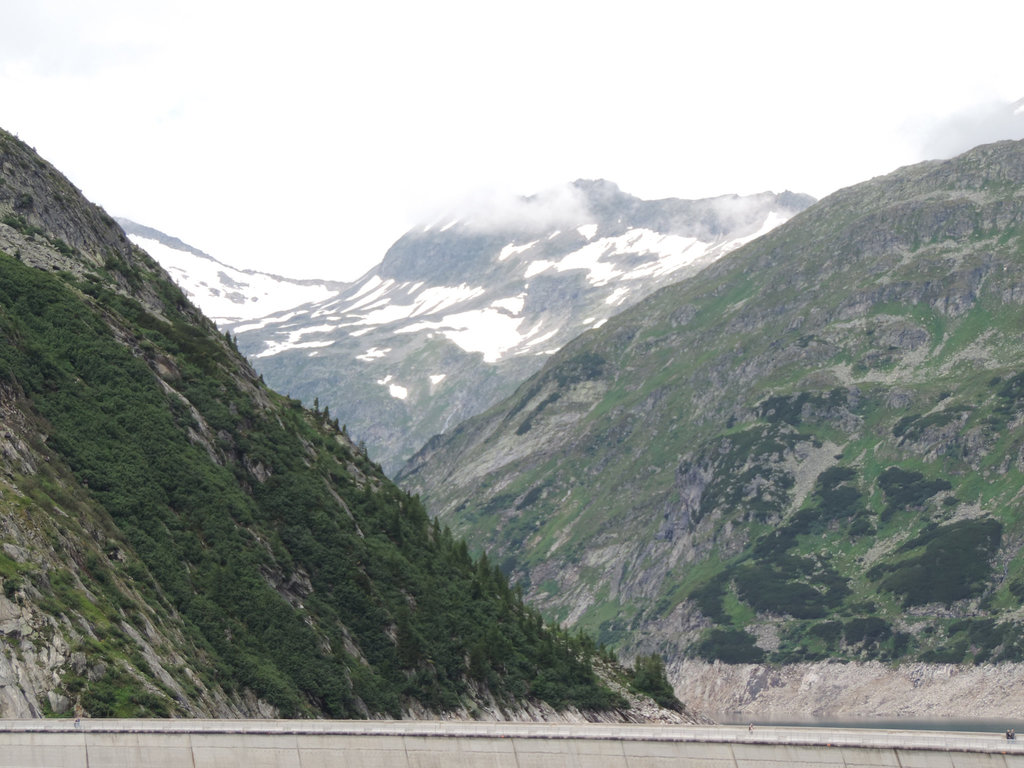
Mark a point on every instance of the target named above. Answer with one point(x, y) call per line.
point(226, 294)
point(461, 309)
point(759, 463)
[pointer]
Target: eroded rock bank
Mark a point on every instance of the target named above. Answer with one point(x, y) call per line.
point(869, 689)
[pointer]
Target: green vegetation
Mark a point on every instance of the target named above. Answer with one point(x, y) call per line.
point(907, 489)
point(733, 646)
point(949, 563)
point(649, 677)
point(812, 449)
point(299, 572)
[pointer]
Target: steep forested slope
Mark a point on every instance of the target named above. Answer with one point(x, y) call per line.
point(179, 539)
point(813, 449)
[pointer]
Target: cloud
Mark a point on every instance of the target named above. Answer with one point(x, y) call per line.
point(491, 210)
point(732, 211)
point(981, 124)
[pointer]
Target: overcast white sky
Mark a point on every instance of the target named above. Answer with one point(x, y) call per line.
point(303, 138)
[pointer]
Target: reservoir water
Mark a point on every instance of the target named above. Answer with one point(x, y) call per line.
point(986, 725)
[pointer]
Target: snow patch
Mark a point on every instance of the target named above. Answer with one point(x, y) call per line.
point(277, 347)
point(395, 390)
point(616, 297)
point(437, 378)
point(771, 221)
point(292, 341)
point(587, 231)
point(371, 282)
point(540, 339)
point(538, 266)
point(512, 249)
point(488, 331)
point(429, 301)
point(374, 353)
point(226, 294)
point(513, 304)
point(372, 292)
point(264, 322)
point(669, 252)
point(373, 296)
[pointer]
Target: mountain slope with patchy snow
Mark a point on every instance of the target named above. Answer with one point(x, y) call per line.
point(462, 310)
point(227, 295)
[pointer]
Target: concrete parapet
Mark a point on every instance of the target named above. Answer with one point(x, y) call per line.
point(416, 744)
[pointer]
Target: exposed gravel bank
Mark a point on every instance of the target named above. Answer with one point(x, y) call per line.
point(869, 689)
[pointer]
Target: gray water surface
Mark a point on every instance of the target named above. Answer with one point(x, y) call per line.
point(986, 725)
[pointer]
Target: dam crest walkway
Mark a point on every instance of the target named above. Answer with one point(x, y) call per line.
point(458, 744)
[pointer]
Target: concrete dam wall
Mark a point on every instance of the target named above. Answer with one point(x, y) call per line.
point(334, 744)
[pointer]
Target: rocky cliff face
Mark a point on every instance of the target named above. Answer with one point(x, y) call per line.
point(809, 450)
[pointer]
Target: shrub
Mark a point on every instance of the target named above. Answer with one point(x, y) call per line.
point(953, 563)
point(907, 489)
point(649, 677)
point(769, 590)
point(732, 646)
point(871, 631)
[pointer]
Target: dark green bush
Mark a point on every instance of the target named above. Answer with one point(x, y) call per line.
point(907, 489)
point(870, 630)
point(732, 646)
point(952, 563)
point(649, 677)
point(708, 597)
point(767, 590)
point(827, 631)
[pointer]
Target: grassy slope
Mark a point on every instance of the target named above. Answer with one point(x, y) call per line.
point(712, 472)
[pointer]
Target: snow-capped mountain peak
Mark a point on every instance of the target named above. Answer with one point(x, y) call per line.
point(460, 310)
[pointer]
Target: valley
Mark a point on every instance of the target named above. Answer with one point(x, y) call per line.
point(775, 457)
point(461, 310)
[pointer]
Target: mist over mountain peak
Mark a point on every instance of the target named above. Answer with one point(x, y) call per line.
point(459, 311)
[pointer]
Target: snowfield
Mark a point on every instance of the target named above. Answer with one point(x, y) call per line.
point(494, 321)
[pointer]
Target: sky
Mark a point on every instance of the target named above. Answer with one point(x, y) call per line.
point(304, 138)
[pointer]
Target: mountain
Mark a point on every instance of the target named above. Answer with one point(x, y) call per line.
point(811, 450)
point(462, 310)
point(225, 294)
point(178, 539)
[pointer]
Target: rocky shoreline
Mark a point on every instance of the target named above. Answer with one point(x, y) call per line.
point(869, 689)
